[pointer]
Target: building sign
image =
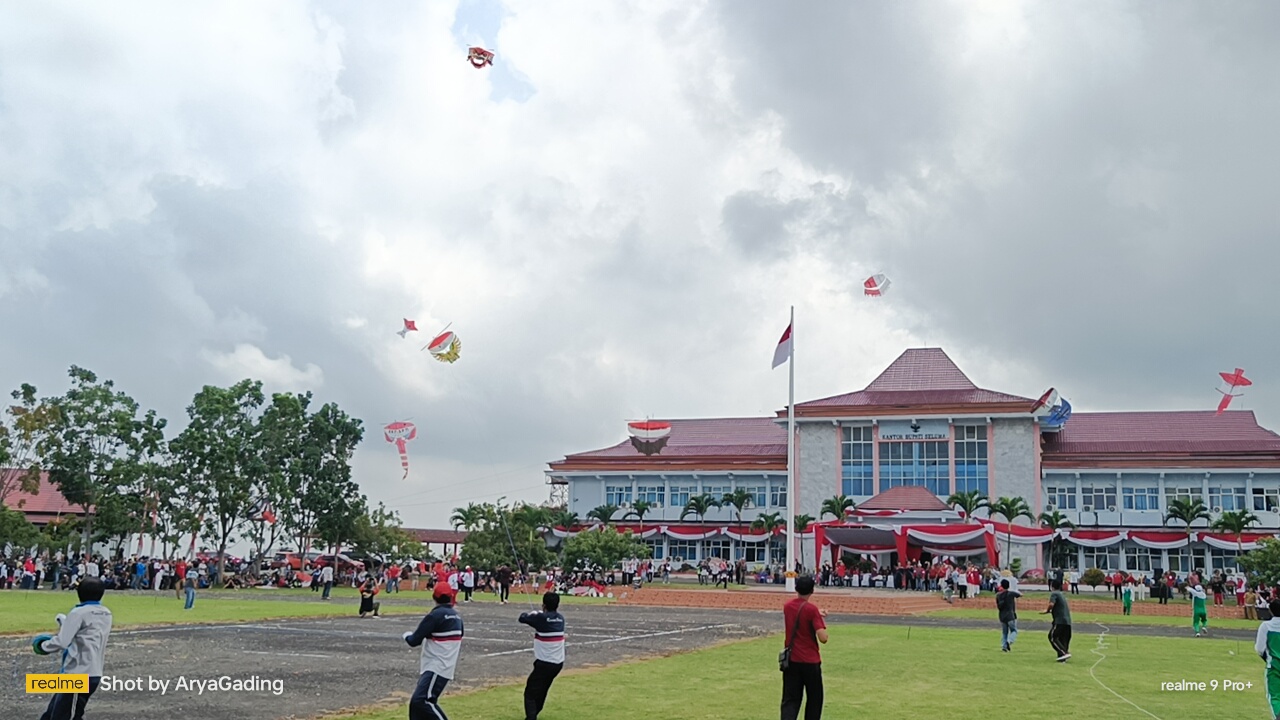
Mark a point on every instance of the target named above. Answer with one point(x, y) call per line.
point(908, 430)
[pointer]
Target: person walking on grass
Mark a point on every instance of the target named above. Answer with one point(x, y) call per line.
point(802, 675)
point(1127, 596)
point(1199, 613)
point(440, 636)
point(1007, 607)
point(548, 653)
point(1060, 630)
point(326, 577)
point(189, 585)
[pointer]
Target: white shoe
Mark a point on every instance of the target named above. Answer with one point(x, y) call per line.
point(1064, 658)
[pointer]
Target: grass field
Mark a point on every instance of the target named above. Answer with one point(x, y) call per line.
point(1080, 618)
point(882, 672)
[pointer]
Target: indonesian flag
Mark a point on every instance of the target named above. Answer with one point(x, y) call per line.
point(783, 352)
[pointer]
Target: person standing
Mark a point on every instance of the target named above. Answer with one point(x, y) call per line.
point(468, 583)
point(1073, 578)
point(1007, 606)
point(1127, 596)
point(1060, 631)
point(1199, 613)
point(440, 636)
point(806, 627)
point(548, 653)
point(503, 575)
point(1267, 645)
point(326, 577)
point(189, 585)
point(82, 641)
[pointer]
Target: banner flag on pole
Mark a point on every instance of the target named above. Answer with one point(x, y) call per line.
point(783, 352)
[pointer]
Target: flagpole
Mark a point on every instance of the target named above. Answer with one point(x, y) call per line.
point(792, 500)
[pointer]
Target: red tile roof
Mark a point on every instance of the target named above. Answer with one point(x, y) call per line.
point(920, 376)
point(432, 535)
point(1185, 432)
point(47, 502)
point(753, 438)
point(911, 497)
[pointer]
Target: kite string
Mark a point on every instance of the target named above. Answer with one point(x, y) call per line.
point(1102, 645)
point(524, 587)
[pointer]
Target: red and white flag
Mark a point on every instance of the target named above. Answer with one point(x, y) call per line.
point(783, 352)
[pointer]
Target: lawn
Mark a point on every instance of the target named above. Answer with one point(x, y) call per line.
point(896, 673)
point(1029, 612)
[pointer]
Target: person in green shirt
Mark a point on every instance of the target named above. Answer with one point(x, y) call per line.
point(1267, 645)
point(1127, 596)
point(1199, 613)
point(1060, 631)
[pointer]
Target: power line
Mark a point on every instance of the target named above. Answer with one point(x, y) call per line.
point(437, 488)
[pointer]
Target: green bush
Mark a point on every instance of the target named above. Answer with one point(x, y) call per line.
point(1093, 577)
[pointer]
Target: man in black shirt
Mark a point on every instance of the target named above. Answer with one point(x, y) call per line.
point(1007, 606)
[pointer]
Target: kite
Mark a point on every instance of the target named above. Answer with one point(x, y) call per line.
point(409, 327)
point(479, 57)
point(875, 286)
point(1059, 415)
point(401, 433)
point(445, 347)
point(1048, 400)
point(262, 512)
point(649, 436)
point(1233, 381)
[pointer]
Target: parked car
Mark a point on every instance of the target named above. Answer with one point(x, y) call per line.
point(345, 563)
point(293, 560)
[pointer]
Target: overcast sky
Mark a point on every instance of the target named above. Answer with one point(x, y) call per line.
point(617, 215)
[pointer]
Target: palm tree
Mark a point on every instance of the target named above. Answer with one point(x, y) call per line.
point(699, 505)
point(740, 499)
point(639, 508)
point(470, 517)
point(1054, 521)
point(970, 501)
point(803, 522)
point(1011, 509)
point(603, 513)
point(837, 506)
point(1235, 522)
point(565, 519)
point(769, 522)
point(1187, 512)
point(531, 517)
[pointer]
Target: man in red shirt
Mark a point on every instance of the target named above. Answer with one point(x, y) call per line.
point(803, 675)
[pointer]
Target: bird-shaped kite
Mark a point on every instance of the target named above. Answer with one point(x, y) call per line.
point(1233, 381)
point(445, 347)
point(875, 286)
point(649, 436)
point(409, 326)
point(401, 433)
point(479, 57)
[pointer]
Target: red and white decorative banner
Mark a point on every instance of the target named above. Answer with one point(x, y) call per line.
point(1157, 540)
point(1227, 541)
point(947, 534)
point(690, 533)
point(866, 549)
point(1022, 535)
point(1094, 538)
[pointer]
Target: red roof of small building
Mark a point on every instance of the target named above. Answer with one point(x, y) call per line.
point(433, 535)
point(729, 440)
point(44, 504)
point(1185, 433)
point(910, 498)
point(919, 377)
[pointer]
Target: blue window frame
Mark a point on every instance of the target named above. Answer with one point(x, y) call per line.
point(856, 462)
point(923, 464)
point(971, 458)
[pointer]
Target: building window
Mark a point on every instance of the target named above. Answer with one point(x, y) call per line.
point(1266, 499)
point(1223, 560)
point(923, 464)
point(1137, 559)
point(856, 462)
point(1141, 498)
point(680, 494)
point(1107, 558)
point(683, 550)
point(1099, 497)
point(718, 491)
point(1062, 497)
point(971, 458)
point(656, 549)
point(1189, 494)
point(778, 493)
point(619, 495)
point(717, 548)
point(1180, 561)
point(655, 495)
point(751, 552)
point(759, 495)
point(1227, 498)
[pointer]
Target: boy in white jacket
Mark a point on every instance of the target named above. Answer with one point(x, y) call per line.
point(1268, 648)
point(82, 640)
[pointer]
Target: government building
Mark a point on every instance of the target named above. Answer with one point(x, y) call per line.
point(922, 431)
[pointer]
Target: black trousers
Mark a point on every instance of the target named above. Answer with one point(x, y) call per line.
point(536, 687)
point(504, 591)
point(425, 702)
point(69, 706)
point(1060, 639)
point(799, 680)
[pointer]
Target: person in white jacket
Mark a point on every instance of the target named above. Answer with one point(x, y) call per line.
point(1267, 646)
point(82, 640)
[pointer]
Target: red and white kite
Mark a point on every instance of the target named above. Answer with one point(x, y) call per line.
point(445, 347)
point(409, 326)
point(401, 433)
point(1233, 381)
point(262, 512)
point(479, 57)
point(649, 436)
point(875, 286)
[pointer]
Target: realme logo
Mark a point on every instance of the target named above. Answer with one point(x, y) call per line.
point(57, 683)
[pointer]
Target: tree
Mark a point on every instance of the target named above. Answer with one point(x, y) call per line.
point(1264, 561)
point(20, 435)
point(565, 519)
point(1093, 577)
point(639, 508)
point(837, 506)
point(1054, 521)
point(602, 546)
point(1186, 511)
point(93, 450)
point(1235, 522)
point(603, 513)
point(15, 529)
point(770, 523)
point(378, 533)
point(1011, 509)
point(512, 536)
point(970, 502)
point(221, 455)
point(699, 505)
point(740, 499)
point(470, 518)
point(324, 472)
point(803, 522)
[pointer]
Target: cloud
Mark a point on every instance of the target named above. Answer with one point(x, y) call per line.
point(278, 374)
